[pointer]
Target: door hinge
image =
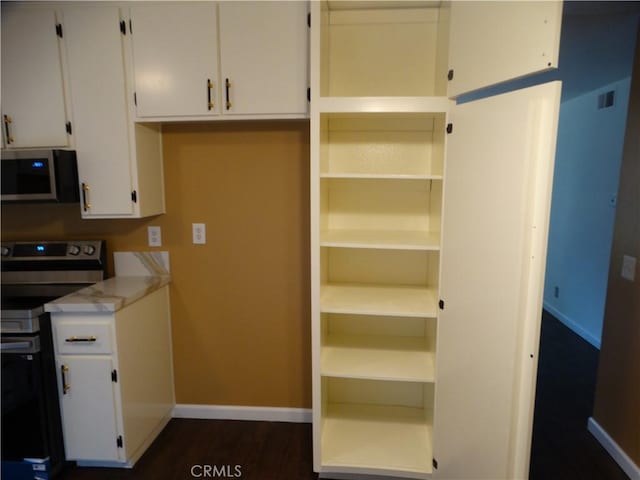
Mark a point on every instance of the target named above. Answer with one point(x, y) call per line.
point(123, 27)
point(67, 126)
point(308, 94)
point(449, 127)
point(435, 464)
point(119, 441)
point(130, 27)
point(134, 196)
point(59, 29)
point(135, 99)
point(114, 376)
point(450, 75)
point(441, 304)
point(309, 20)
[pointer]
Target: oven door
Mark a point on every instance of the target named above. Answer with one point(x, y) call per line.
point(24, 428)
point(32, 445)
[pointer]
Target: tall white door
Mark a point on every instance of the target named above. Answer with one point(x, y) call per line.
point(498, 174)
point(492, 42)
point(264, 57)
point(175, 54)
point(33, 105)
point(100, 107)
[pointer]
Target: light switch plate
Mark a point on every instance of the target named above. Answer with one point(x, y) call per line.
point(629, 268)
point(155, 236)
point(199, 233)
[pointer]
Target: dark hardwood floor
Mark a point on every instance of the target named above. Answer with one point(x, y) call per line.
point(562, 447)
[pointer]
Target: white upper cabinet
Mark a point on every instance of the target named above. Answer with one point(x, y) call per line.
point(498, 174)
point(493, 42)
point(264, 57)
point(99, 104)
point(176, 67)
point(119, 162)
point(261, 48)
point(33, 105)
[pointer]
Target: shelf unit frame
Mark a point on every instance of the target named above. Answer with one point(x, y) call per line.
point(377, 163)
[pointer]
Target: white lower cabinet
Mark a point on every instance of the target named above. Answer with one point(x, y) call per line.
point(115, 380)
point(88, 406)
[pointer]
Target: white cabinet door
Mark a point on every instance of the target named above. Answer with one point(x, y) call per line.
point(264, 57)
point(100, 107)
point(498, 175)
point(32, 88)
point(492, 42)
point(175, 52)
point(88, 407)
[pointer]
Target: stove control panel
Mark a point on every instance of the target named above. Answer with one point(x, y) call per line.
point(54, 250)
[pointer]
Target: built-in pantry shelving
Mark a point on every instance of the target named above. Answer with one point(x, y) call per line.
point(386, 259)
point(378, 168)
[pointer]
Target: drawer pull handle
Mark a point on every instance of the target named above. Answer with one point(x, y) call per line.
point(81, 339)
point(65, 386)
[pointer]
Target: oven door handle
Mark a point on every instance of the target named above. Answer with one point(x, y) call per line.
point(10, 346)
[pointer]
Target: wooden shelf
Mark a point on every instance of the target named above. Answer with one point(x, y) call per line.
point(382, 239)
point(380, 440)
point(377, 357)
point(400, 301)
point(383, 104)
point(381, 176)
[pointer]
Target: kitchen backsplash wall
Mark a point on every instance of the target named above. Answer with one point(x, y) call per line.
point(240, 303)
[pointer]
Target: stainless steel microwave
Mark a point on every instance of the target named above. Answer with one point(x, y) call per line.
point(39, 176)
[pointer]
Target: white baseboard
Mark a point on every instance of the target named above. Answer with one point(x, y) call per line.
point(231, 412)
point(610, 445)
point(574, 326)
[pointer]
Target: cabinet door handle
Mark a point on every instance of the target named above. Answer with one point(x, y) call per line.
point(81, 339)
point(65, 386)
point(227, 87)
point(7, 134)
point(85, 197)
point(210, 86)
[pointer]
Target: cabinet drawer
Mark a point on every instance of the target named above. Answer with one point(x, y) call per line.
point(79, 338)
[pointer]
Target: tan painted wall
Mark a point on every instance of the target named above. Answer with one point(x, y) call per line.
point(240, 304)
point(617, 401)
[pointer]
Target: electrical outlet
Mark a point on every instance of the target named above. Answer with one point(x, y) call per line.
point(155, 236)
point(629, 268)
point(199, 233)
